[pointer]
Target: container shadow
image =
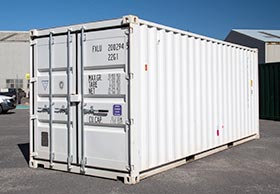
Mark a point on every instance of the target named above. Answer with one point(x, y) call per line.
point(8, 113)
point(24, 148)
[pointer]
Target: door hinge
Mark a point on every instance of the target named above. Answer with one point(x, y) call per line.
point(33, 42)
point(129, 76)
point(69, 161)
point(33, 79)
point(83, 165)
point(33, 117)
point(52, 159)
point(34, 154)
point(129, 122)
point(129, 31)
point(52, 155)
point(75, 98)
point(129, 167)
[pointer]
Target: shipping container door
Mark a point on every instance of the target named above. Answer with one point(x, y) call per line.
point(54, 133)
point(104, 106)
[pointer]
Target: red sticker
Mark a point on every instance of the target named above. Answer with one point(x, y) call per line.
point(146, 67)
point(218, 132)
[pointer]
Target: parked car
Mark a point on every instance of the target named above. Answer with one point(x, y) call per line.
point(13, 92)
point(7, 103)
point(9, 92)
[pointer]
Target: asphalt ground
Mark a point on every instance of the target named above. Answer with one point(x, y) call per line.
point(253, 167)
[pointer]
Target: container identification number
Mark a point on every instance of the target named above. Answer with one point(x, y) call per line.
point(113, 57)
point(112, 48)
point(115, 47)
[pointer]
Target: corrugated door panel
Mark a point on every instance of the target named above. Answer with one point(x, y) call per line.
point(104, 134)
point(43, 138)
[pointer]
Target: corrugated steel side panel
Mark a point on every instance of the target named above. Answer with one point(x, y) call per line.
point(193, 94)
point(269, 75)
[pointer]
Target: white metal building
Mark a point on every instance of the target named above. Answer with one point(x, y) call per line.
point(14, 59)
point(267, 41)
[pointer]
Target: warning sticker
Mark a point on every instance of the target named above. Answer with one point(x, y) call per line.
point(45, 84)
point(117, 110)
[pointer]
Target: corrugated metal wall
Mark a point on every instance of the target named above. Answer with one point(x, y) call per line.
point(193, 94)
point(269, 75)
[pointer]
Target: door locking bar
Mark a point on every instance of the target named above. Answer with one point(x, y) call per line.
point(62, 110)
point(92, 111)
point(67, 110)
point(51, 153)
point(83, 159)
point(44, 109)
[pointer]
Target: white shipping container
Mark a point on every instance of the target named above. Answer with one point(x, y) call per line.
point(127, 98)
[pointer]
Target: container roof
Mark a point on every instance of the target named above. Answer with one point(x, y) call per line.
point(14, 36)
point(263, 35)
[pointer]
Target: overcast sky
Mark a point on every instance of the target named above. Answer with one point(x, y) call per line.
point(213, 18)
